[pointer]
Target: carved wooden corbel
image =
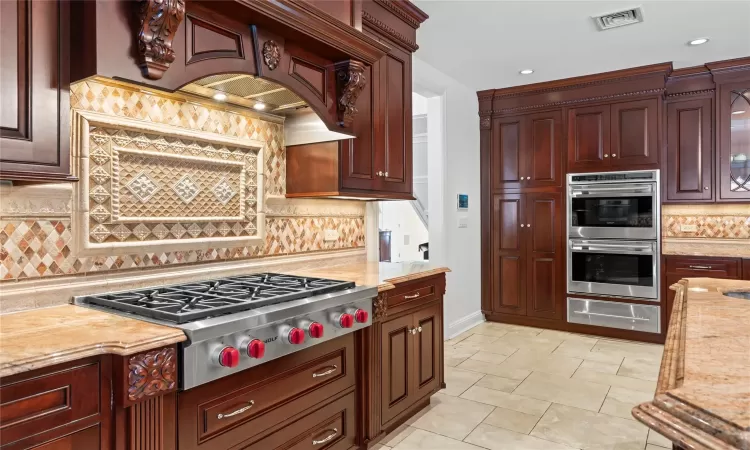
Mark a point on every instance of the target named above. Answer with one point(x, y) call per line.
point(159, 22)
point(350, 80)
point(152, 373)
point(485, 122)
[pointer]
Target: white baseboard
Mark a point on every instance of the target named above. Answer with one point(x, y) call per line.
point(467, 322)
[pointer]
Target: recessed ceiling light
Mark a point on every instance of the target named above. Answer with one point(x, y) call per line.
point(526, 71)
point(700, 41)
point(260, 106)
point(220, 96)
point(738, 112)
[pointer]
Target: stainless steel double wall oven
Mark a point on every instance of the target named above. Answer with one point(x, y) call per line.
point(613, 247)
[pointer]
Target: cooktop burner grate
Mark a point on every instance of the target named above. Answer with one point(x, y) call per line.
point(200, 300)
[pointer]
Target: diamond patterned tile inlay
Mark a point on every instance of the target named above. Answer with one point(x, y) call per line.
point(223, 191)
point(186, 189)
point(143, 187)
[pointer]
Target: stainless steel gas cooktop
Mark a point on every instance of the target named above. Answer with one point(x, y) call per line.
point(238, 322)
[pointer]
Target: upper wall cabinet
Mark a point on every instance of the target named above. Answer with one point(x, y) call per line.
point(34, 90)
point(689, 150)
point(733, 159)
point(527, 151)
point(617, 136)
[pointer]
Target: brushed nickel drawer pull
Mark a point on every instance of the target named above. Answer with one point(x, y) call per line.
point(234, 413)
point(412, 296)
point(701, 267)
point(327, 438)
point(327, 372)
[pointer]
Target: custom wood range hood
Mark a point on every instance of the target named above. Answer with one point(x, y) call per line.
point(166, 44)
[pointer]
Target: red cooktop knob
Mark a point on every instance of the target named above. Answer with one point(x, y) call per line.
point(229, 357)
point(361, 316)
point(346, 320)
point(316, 330)
point(296, 336)
point(256, 349)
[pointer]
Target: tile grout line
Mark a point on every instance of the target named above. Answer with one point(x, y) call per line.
point(599, 411)
point(540, 418)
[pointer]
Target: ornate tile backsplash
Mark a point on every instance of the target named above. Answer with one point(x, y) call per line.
point(148, 204)
point(708, 221)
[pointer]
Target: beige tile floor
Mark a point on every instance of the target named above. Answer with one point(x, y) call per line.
point(521, 388)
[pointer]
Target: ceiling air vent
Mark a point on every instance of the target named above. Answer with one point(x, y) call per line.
point(619, 18)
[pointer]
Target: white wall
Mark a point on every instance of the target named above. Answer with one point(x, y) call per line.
point(407, 230)
point(457, 248)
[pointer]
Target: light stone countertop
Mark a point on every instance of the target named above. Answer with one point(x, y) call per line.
point(384, 275)
point(732, 248)
point(44, 337)
point(702, 398)
point(36, 338)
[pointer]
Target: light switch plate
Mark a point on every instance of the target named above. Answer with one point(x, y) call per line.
point(331, 235)
point(689, 228)
point(463, 222)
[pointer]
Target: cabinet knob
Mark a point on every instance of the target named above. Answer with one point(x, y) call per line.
point(386, 173)
point(705, 188)
point(522, 225)
point(419, 329)
point(528, 225)
point(614, 154)
point(606, 155)
point(528, 178)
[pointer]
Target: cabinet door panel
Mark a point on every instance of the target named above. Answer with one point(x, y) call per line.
point(689, 150)
point(545, 255)
point(733, 157)
point(509, 290)
point(84, 439)
point(397, 347)
point(396, 95)
point(544, 152)
point(358, 155)
point(588, 137)
point(506, 153)
point(634, 133)
point(34, 104)
point(427, 350)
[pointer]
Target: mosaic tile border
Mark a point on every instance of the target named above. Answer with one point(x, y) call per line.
point(707, 227)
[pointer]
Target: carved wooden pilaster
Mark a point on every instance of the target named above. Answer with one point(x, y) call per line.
point(152, 373)
point(350, 81)
point(381, 305)
point(159, 22)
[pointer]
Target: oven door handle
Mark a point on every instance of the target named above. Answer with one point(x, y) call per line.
point(613, 248)
point(612, 315)
point(623, 191)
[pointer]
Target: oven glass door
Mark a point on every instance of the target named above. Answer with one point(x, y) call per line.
point(616, 211)
point(621, 268)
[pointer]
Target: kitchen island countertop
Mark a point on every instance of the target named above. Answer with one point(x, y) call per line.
point(702, 398)
point(384, 275)
point(43, 337)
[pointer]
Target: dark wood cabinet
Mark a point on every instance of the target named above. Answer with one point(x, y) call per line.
point(689, 162)
point(527, 151)
point(395, 155)
point(588, 137)
point(733, 128)
point(746, 269)
point(528, 255)
point(84, 439)
point(427, 350)
point(615, 136)
point(34, 90)
point(397, 345)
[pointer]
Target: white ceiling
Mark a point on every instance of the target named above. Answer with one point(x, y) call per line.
point(483, 44)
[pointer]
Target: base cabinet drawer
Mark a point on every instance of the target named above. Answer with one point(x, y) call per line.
point(626, 316)
point(696, 267)
point(332, 427)
point(80, 440)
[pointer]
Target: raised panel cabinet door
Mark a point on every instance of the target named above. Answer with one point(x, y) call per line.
point(588, 137)
point(543, 149)
point(34, 90)
point(635, 134)
point(733, 155)
point(427, 350)
point(545, 255)
point(358, 156)
point(689, 150)
point(508, 270)
point(746, 269)
point(396, 103)
point(84, 439)
point(505, 153)
point(397, 345)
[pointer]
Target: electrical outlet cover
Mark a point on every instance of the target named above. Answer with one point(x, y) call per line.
point(331, 235)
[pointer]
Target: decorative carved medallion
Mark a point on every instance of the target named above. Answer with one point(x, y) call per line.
point(350, 80)
point(485, 122)
point(159, 22)
point(381, 305)
point(271, 54)
point(151, 373)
